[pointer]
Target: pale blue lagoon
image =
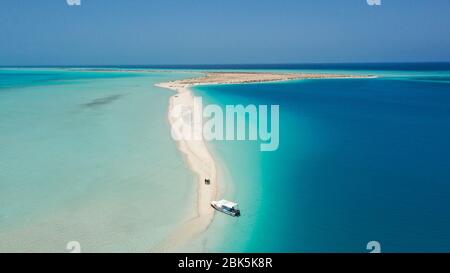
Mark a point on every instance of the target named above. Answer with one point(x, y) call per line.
point(88, 157)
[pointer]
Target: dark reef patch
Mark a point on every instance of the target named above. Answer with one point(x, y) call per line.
point(101, 101)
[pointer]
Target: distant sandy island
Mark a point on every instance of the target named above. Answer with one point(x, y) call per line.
point(249, 77)
point(196, 152)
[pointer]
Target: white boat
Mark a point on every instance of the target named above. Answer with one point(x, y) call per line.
point(227, 207)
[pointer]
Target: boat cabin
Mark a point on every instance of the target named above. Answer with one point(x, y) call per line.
point(227, 207)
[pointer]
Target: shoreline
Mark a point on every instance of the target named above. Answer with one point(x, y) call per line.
point(196, 152)
point(202, 164)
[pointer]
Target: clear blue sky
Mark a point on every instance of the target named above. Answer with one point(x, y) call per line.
point(49, 32)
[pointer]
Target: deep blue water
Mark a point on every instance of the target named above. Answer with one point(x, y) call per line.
point(359, 160)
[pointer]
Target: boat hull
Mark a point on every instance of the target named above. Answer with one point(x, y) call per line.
point(234, 214)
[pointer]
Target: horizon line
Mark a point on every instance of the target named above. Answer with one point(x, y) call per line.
point(225, 64)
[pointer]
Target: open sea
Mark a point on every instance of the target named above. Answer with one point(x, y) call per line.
point(359, 160)
point(87, 156)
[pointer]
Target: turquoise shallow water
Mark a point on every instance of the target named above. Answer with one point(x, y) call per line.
point(87, 156)
point(359, 160)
